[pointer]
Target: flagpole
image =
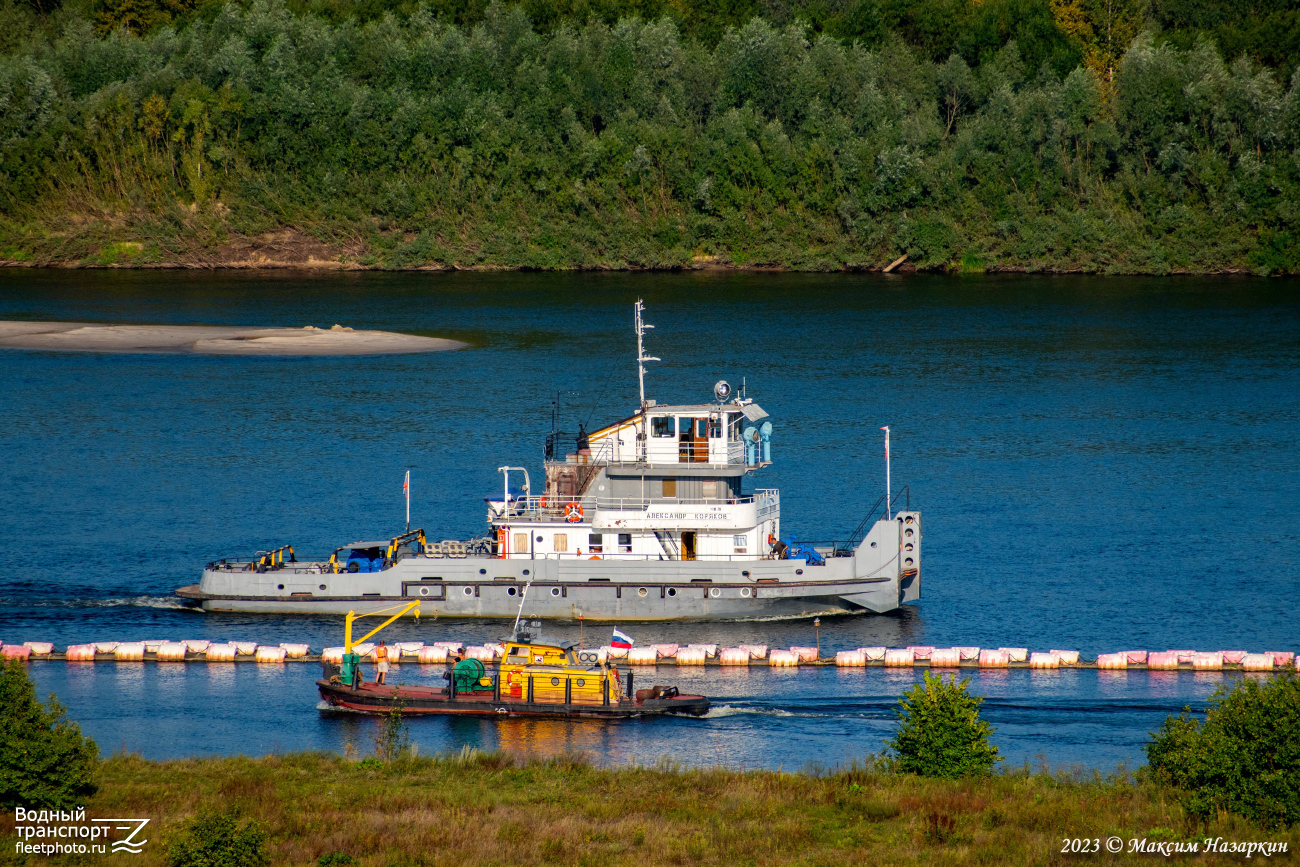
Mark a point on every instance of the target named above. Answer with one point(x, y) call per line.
point(406, 486)
point(888, 493)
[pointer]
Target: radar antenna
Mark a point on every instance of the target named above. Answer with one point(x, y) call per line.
point(641, 357)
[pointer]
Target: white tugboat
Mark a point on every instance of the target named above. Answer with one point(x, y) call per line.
point(648, 519)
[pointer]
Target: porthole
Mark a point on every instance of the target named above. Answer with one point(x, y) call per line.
point(539, 538)
point(908, 562)
point(909, 533)
point(482, 571)
point(424, 591)
point(745, 573)
point(715, 592)
point(908, 547)
point(798, 571)
point(582, 682)
point(910, 519)
point(510, 591)
point(555, 591)
point(555, 681)
point(525, 571)
point(469, 591)
point(746, 592)
point(672, 591)
point(641, 592)
point(873, 544)
point(322, 587)
point(279, 587)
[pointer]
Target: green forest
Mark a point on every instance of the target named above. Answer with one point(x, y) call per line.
point(1108, 136)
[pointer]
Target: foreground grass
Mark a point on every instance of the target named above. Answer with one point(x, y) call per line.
point(477, 809)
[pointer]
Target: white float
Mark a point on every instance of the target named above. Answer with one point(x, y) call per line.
point(783, 659)
point(220, 653)
point(968, 652)
point(733, 656)
point(152, 645)
point(333, 655)
point(40, 648)
point(990, 658)
point(1167, 661)
point(245, 648)
point(296, 651)
point(129, 651)
point(105, 646)
point(197, 645)
point(850, 658)
point(805, 654)
point(1257, 662)
point(1207, 661)
point(171, 651)
point(755, 651)
point(1016, 654)
point(691, 656)
point(269, 654)
point(1112, 661)
point(80, 653)
point(617, 652)
point(873, 654)
point(642, 656)
point(666, 651)
point(432, 654)
point(709, 649)
point(1067, 657)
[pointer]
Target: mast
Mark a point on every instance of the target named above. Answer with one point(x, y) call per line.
point(641, 357)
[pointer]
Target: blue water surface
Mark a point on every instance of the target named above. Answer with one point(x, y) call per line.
point(1102, 464)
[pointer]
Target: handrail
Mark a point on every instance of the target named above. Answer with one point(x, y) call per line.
point(856, 536)
point(272, 559)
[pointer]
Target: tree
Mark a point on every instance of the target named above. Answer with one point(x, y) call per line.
point(219, 841)
point(45, 761)
point(1103, 29)
point(940, 733)
point(1244, 758)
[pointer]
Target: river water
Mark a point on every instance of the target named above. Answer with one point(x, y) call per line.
point(1102, 463)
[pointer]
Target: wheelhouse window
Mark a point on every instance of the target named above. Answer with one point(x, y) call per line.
point(625, 543)
point(596, 542)
point(663, 426)
point(733, 422)
point(740, 544)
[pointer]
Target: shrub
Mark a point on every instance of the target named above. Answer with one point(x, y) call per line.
point(219, 841)
point(1244, 758)
point(45, 761)
point(940, 733)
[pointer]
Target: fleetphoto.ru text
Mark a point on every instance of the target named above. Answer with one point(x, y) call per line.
point(69, 832)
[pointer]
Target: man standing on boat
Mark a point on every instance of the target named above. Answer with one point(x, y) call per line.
point(381, 662)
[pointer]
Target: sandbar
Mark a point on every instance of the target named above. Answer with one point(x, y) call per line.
point(213, 339)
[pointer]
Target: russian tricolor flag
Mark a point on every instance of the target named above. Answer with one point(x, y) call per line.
point(621, 639)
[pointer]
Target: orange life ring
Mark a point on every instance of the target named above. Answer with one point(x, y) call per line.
point(573, 512)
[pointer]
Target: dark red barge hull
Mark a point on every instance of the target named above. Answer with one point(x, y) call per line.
point(412, 700)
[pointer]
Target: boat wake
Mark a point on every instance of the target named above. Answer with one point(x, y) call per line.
point(167, 603)
point(725, 710)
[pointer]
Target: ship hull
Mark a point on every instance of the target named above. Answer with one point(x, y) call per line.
point(600, 590)
point(415, 701)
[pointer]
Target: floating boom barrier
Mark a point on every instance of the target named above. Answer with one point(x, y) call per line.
point(438, 652)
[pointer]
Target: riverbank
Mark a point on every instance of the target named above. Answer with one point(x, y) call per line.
point(476, 808)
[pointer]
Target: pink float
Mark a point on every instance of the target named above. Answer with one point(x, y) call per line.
point(1112, 661)
point(1067, 657)
point(994, 659)
point(709, 649)
point(105, 646)
point(1044, 660)
point(80, 653)
point(15, 651)
point(1233, 657)
point(733, 656)
point(805, 654)
point(873, 654)
point(921, 651)
point(850, 658)
point(968, 652)
point(1136, 657)
point(899, 658)
point(945, 658)
point(1281, 658)
point(1166, 661)
point(1183, 655)
point(755, 651)
point(666, 651)
point(1016, 654)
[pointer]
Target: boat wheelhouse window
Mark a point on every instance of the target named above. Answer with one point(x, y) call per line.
point(663, 426)
point(560, 542)
point(734, 423)
point(521, 542)
point(625, 543)
point(715, 428)
point(701, 428)
point(596, 542)
point(740, 544)
point(670, 487)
